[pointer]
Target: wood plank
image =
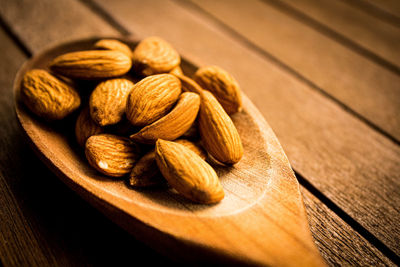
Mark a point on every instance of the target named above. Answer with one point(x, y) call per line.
point(62, 14)
point(261, 219)
point(377, 9)
point(324, 143)
point(332, 246)
point(331, 254)
point(337, 241)
point(362, 29)
point(389, 6)
point(16, 233)
point(329, 65)
point(42, 222)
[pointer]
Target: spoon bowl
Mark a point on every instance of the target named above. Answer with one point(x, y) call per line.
point(261, 220)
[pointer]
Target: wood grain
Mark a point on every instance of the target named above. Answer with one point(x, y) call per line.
point(389, 6)
point(366, 254)
point(60, 194)
point(321, 60)
point(43, 222)
point(16, 233)
point(351, 164)
point(363, 29)
point(70, 16)
point(326, 225)
point(260, 221)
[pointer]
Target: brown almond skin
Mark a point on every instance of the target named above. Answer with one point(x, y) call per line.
point(174, 124)
point(188, 84)
point(111, 155)
point(195, 147)
point(193, 132)
point(152, 98)
point(112, 44)
point(176, 71)
point(108, 101)
point(122, 128)
point(188, 173)
point(47, 96)
point(223, 86)
point(218, 133)
point(145, 173)
point(92, 64)
point(85, 127)
point(154, 55)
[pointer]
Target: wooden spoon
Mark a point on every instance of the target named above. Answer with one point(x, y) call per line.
point(261, 220)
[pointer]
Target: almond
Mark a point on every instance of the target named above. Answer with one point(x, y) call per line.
point(122, 128)
point(85, 127)
point(112, 44)
point(195, 147)
point(174, 124)
point(92, 64)
point(47, 96)
point(193, 132)
point(188, 173)
point(152, 98)
point(176, 71)
point(111, 155)
point(224, 87)
point(218, 133)
point(108, 101)
point(188, 84)
point(154, 55)
point(145, 173)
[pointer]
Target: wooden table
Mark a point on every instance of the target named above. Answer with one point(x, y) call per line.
point(325, 74)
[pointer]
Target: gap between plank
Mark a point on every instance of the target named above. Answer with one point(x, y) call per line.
point(14, 37)
point(245, 42)
point(348, 219)
point(318, 194)
point(325, 30)
point(375, 11)
point(106, 17)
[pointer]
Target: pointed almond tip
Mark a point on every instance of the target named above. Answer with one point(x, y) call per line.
point(102, 122)
point(160, 146)
point(160, 142)
point(139, 138)
point(134, 137)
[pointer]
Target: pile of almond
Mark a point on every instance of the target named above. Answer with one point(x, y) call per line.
point(144, 119)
